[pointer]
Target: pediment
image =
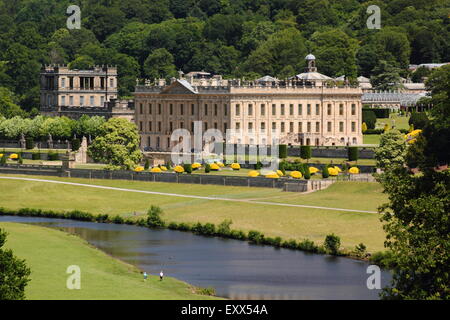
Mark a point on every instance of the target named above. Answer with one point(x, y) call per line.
point(179, 87)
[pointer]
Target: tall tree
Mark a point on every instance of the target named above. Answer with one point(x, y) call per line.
point(159, 64)
point(117, 144)
point(14, 275)
point(416, 218)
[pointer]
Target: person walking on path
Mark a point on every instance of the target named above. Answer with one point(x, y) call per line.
point(161, 275)
point(145, 276)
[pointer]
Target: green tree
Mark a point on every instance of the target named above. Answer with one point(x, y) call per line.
point(117, 144)
point(283, 48)
point(154, 217)
point(14, 275)
point(8, 107)
point(332, 243)
point(335, 52)
point(416, 216)
point(82, 62)
point(386, 77)
point(159, 64)
point(418, 119)
point(369, 118)
point(392, 150)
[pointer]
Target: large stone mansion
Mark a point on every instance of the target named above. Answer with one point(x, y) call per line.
point(72, 93)
point(307, 109)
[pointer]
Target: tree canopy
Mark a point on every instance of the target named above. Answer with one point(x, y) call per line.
point(238, 38)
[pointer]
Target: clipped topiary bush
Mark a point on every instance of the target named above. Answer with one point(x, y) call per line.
point(353, 153)
point(36, 156)
point(187, 168)
point(305, 152)
point(282, 151)
point(325, 173)
point(207, 168)
point(147, 164)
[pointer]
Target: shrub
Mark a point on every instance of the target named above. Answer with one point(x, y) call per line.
point(224, 227)
point(178, 169)
point(369, 117)
point(118, 219)
point(305, 152)
point(380, 113)
point(353, 153)
point(332, 243)
point(364, 127)
point(102, 218)
point(3, 159)
point(29, 143)
point(360, 250)
point(36, 156)
point(418, 119)
point(282, 151)
point(76, 144)
point(147, 164)
point(374, 131)
point(187, 168)
point(282, 167)
point(258, 165)
point(183, 227)
point(79, 215)
point(207, 168)
point(238, 234)
point(307, 245)
point(173, 226)
point(307, 174)
point(384, 259)
point(291, 244)
point(255, 236)
point(205, 291)
point(20, 159)
point(325, 173)
point(53, 156)
point(154, 217)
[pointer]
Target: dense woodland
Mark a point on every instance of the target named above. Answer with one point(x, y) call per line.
point(235, 38)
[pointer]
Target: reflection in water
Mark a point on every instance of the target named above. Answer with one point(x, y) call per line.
point(236, 269)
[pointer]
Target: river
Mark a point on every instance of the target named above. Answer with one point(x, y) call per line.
point(236, 269)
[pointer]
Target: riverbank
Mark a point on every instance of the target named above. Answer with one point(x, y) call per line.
point(277, 220)
point(49, 252)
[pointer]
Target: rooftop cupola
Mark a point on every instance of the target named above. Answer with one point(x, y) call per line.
point(311, 63)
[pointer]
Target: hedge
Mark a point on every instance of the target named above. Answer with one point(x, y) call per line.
point(369, 117)
point(380, 113)
point(305, 152)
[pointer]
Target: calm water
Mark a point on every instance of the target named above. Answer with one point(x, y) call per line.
point(236, 269)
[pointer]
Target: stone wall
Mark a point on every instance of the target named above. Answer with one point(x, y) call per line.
point(286, 184)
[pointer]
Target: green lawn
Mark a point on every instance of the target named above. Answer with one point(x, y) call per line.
point(17, 150)
point(286, 222)
point(49, 252)
point(400, 122)
point(371, 138)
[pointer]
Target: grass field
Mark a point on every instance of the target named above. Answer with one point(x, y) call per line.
point(371, 138)
point(286, 222)
point(400, 122)
point(49, 252)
